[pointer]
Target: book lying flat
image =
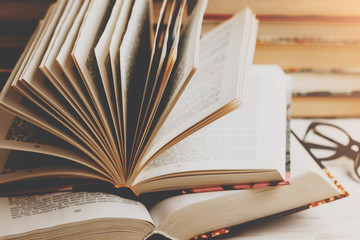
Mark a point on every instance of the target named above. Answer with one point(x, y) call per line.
point(96, 215)
point(284, 7)
point(321, 106)
point(108, 97)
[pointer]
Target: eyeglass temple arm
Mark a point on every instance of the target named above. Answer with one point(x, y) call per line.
point(338, 153)
point(313, 126)
point(318, 146)
point(330, 139)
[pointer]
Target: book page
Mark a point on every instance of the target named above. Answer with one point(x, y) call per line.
point(55, 74)
point(67, 65)
point(35, 81)
point(18, 134)
point(301, 164)
point(251, 137)
point(219, 59)
point(186, 64)
point(114, 51)
point(27, 213)
point(164, 57)
point(103, 61)
point(20, 172)
point(46, 97)
point(184, 68)
point(134, 62)
point(50, 99)
point(63, 118)
point(64, 15)
point(12, 101)
point(156, 61)
point(84, 57)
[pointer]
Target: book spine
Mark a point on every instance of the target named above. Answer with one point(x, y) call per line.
point(351, 94)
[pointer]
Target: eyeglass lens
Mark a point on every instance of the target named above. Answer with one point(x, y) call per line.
point(329, 142)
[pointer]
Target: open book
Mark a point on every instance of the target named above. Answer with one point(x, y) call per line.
point(105, 216)
point(95, 88)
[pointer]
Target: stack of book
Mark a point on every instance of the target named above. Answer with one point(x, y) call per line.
point(141, 134)
point(326, 93)
point(310, 39)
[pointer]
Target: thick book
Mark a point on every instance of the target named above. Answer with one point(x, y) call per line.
point(286, 7)
point(96, 215)
point(98, 89)
point(303, 42)
point(326, 94)
point(326, 106)
point(303, 29)
point(315, 56)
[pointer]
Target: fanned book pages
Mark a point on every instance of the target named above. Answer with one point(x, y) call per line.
point(107, 92)
point(97, 215)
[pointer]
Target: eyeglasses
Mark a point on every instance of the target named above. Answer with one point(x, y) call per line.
point(328, 142)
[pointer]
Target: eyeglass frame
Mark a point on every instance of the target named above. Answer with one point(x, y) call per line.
point(340, 149)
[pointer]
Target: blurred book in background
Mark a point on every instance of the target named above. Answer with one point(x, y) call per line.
point(325, 93)
point(317, 42)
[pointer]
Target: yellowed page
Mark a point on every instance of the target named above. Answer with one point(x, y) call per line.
point(53, 71)
point(187, 62)
point(114, 51)
point(103, 61)
point(18, 134)
point(35, 80)
point(15, 103)
point(84, 57)
point(134, 62)
point(68, 67)
point(24, 214)
point(216, 84)
point(20, 168)
point(64, 15)
point(252, 137)
point(163, 60)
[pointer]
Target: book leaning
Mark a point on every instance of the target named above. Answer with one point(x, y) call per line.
point(110, 97)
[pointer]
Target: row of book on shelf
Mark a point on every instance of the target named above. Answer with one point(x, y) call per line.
point(318, 45)
point(181, 138)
